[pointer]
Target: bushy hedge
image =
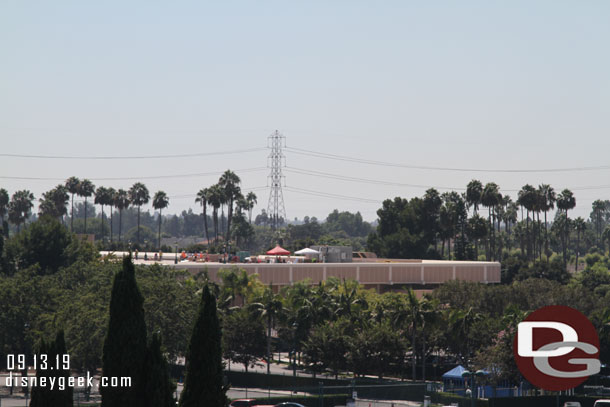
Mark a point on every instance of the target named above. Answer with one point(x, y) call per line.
point(448, 398)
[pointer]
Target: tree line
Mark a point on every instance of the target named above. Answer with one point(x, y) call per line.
point(432, 225)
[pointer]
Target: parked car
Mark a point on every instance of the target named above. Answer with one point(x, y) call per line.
point(602, 403)
point(571, 404)
point(289, 404)
point(243, 403)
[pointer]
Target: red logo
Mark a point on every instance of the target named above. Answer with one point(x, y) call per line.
point(556, 348)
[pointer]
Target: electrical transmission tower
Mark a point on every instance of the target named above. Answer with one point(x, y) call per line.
point(275, 208)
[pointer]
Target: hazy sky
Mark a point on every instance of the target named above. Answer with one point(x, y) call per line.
point(470, 84)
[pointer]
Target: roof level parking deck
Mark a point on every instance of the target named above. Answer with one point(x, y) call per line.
point(380, 275)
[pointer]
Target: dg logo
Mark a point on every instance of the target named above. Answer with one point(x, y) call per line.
point(556, 348)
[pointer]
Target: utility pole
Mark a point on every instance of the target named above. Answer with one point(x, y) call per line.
point(275, 208)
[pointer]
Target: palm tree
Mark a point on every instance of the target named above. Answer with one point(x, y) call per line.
point(110, 202)
point(548, 200)
point(85, 189)
point(527, 200)
point(121, 201)
point(20, 207)
point(229, 181)
point(202, 198)
point(474, 193)
point(160, 202)
point(215, 200)
point(416, 319)
point(477, 229)
point(580, 225)
point(270, 306)
point(490, 198)
point(101, 198)
point(510, 218)
point(4, 201)
point(138, 195)
point(72, 184)
point(251, 199)
point(565, 202)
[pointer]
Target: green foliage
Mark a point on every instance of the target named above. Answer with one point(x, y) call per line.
point(351, 224)
point(125, 344)
point(44, 243)
point(170, 305)
point(243, 337)
point(203, 385)
point(406, 230)
point(146, 234)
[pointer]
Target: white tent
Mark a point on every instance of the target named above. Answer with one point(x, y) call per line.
point(307, 251)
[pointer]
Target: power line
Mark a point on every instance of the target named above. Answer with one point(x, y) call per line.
point(330, 195)
point(133, 157)
point(327, 175)
point(431, 168)
point(363, 180)
point(185, 196)
point(190, 175)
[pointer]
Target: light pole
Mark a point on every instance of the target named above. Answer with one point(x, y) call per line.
point(176, 258)
point(295, 326)
point(472, 376)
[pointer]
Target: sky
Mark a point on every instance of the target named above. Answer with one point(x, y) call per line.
point(469, 88)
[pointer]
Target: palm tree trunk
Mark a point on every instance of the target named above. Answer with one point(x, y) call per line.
point(215, 219)
point(85, 215)
point(565, 242)
point(229, 216)
point(159, 239)
point(577, 248)
point(120, 222)
point(138, 224)
point(268, 342)
point(527, 232)
point(102, 223)
point(72, 216)
point(423, 358)
point(546, 238)
point(413, 347)
point(205, 225)
point(539, 237)
point(111, 210)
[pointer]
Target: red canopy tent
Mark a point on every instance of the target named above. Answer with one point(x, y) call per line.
point(278, 251)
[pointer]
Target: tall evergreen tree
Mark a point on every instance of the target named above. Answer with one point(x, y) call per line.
point(45, 396)
point(203, 385)
point(159, 386)
point(125, 344)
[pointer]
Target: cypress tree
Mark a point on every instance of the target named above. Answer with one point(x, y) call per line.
point(159, 386)
point(62, 398)
point(125, 344)
point(45, 396)
point(203, 384)
point(41, 395)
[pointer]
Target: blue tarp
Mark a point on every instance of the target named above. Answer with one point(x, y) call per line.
point(455, 373)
